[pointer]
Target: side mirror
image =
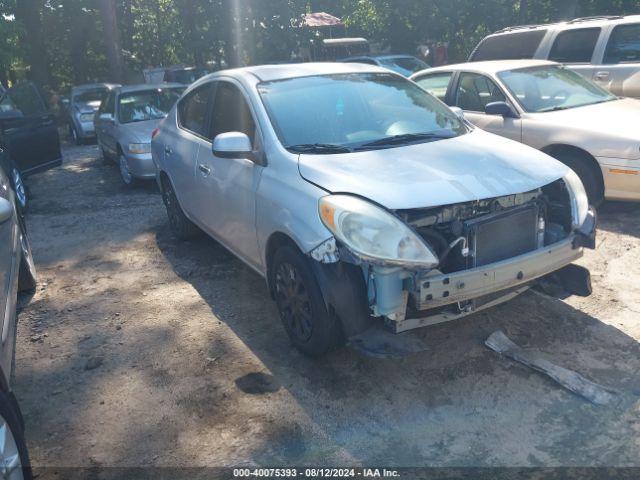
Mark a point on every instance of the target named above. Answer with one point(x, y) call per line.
point(10, 114)
point(232, 145)
point(458, 111)
point(6, 210)
point(500, 108)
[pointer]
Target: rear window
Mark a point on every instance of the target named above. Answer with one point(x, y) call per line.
point(624, 44)
point(508, 46)
point(575, 46)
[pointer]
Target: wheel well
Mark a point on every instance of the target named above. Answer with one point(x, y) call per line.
point(557, 152)
point(276, 240)
point(164, 179)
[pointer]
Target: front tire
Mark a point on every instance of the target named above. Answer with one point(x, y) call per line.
point(181, 227)
point(14, 457)
point(125, 174)
point(73, 134)
point(313, 330)
point(27, 276)
point(590, 178)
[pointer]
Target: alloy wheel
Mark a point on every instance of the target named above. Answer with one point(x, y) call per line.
point(10, 464)
point(293, 299)
point(20, 191)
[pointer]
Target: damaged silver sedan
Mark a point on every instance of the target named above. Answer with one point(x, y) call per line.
point(365, 201)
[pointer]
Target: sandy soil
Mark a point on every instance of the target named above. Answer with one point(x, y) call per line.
point(138, 350)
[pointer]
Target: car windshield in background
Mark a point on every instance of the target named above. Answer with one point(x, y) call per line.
point(147, 104)
point(185, 76)
point(344, 112)
point(90, 96)
point(403, 65)
point(545, 89)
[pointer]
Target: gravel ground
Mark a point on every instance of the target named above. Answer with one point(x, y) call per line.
point(138, 350)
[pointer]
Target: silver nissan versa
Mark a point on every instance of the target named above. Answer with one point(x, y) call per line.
point(365, 201)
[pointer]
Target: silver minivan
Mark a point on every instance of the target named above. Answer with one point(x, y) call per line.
point(364, 201)
point(605, 49)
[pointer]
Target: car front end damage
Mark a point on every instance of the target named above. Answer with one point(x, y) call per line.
point(478, 254)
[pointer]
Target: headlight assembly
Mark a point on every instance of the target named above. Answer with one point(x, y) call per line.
point(372, 233)
point(139, 148)
point(578, 198)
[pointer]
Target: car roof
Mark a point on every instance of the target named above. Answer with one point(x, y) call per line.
point(490, 67)
point(582, 22)
point(266, 73)
point(147, 86)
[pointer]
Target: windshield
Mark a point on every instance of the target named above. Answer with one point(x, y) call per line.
point(186, 76)
point(352, 110)
point(90, 95)
point(403, 65)
point(544, 89)
point(147, 104)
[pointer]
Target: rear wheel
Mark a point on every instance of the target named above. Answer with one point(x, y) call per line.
point(312, 329)
point(181, 226)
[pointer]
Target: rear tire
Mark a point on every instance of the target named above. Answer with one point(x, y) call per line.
point(181, 226)
point(313, 330)
point(591, 179)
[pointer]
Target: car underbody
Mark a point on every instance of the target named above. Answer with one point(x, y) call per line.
point(489, 251)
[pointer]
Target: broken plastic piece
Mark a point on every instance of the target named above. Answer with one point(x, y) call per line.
point(569, 379)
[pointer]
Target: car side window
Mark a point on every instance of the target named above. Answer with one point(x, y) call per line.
point(475, 91)
point(508, 46)
point(27, 99)
point(231, 112)
point(192, 110)
point(623, 45)
point(436, 84)
point(575, 46)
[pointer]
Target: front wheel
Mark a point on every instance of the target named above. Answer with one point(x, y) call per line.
point(127, 177)
point(311, 327)
point(590, 177)
point(14, 457)
point(27, 275)
point(181, 226)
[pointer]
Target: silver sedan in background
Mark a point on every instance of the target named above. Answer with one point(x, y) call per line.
point(83, 103)
point(125, 121)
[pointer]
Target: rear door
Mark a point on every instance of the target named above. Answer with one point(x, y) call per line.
point(472, 93)
point(575, 48)
point(619, 71)
point(31, 138)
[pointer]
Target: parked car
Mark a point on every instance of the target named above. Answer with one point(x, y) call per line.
point(176, 74)
point(553, 109)
point(81, 108)
point(361, 198)
point(124, 122)
point(604, 49)
point(405, 65)
point(17, 273)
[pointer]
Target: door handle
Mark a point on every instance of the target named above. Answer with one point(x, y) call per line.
point(204, 169)
point(602, 76)
point(167, 150)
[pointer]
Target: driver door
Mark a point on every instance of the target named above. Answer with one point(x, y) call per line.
point(231, 183)
point(472, 93)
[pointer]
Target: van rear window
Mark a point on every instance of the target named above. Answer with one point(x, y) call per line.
point(508, 46)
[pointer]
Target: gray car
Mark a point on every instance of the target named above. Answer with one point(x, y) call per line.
point(17, 273)
point(405, 65)
point(364, 201)
point(83, 103)
point(125, 121)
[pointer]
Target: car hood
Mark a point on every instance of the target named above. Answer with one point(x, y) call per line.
point(470, 167)
point(608, 129)
point(141, 131)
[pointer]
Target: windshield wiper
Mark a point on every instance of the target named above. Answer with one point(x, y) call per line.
point(403, 139)
point(318, 148)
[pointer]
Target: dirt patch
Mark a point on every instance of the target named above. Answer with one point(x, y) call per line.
point(196, 368)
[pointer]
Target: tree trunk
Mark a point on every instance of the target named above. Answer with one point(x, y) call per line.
point(188, 14)
point(112, 39)
point(29, 13)
point(523, 14)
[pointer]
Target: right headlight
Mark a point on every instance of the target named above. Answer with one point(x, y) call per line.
point(372, 233)
point(577, 197)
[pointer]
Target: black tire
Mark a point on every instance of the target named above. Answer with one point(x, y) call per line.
point(73, 135)
point(584, 168)
point(181, 226)
point(27, 276)
point(313, 330)
point(10, 416)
